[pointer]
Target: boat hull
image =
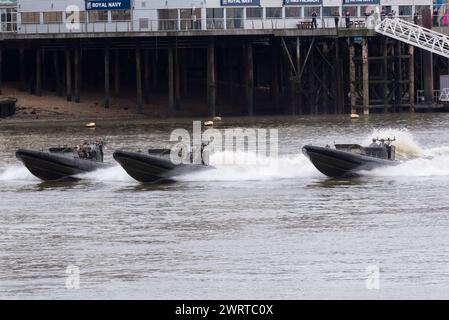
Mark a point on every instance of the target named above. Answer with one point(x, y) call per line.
point(49, 166)
point(337, 164)
point(146, 168)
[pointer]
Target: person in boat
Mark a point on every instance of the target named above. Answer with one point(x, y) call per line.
point(92, 151)
point(82, 150)
point(374, 144)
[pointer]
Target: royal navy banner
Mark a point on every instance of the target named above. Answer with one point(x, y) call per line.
point(108, 4)
point(240, 3)
point(302, 2)
point(361, 2)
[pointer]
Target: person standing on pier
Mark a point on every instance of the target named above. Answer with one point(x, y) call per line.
point(348, 19)
point(435, 17)
point(314, 15)
point(336, 18)
point(416, 18)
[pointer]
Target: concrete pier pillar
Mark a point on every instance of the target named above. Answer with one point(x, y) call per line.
point(365, 76)
point(211, 80)
point(171, 81)
point(139, 79)
point(68, 74)
point(249, 68)
point(116, 72)
point(22, 69)
point(147, 76)
point(353, 97)
point(77, 70)
point(38, 88)
point(106, 77)
point(57, 69)
point(411, 76)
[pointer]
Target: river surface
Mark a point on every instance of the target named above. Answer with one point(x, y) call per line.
point(272, 229)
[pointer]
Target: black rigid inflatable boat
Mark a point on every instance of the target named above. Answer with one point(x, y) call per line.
point(156, 166)
point(348, 160)
point(62, 163)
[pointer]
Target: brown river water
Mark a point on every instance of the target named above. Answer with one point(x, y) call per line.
point(272, 230)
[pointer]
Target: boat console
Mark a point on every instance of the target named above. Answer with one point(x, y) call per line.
point(380, 148)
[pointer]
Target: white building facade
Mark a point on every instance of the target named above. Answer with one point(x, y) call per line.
point(60, 16)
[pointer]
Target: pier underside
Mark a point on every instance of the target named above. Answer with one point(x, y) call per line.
point(208, 75)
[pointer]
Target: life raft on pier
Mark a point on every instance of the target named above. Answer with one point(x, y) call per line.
point(7, 107)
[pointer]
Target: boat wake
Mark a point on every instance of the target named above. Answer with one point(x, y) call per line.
point(418, 162)
point(229, 166)
point(16, 173)
point(248, 166)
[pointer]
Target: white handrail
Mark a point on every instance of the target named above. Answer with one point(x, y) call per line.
point(415, 35)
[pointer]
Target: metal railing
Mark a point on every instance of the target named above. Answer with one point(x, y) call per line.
point(415, 35)
point(180, 25)
point(150, 25)
point(421, 97)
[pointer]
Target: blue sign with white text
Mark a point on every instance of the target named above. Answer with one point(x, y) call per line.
point(108, 4)
point(362, 2)
point(302, 2)
point(239, 3)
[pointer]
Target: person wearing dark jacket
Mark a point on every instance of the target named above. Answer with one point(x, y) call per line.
point(348, 19)
point(336, 18)
point(314, 15)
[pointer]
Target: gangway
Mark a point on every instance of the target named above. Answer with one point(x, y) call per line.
point(415, 35)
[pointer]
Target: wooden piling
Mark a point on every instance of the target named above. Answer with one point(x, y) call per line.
point(365, 76)
point(398, 72)
point(385, 74)
point(352, 78)
point(1, 68)
point(427, 60)
point(38, 88)
point(211, 81)
point(22, 69)
point(297, 85)
point(116, 72)
point(77, 70)
point(338, 85)
point(171, 82)
point(249, 67)
point(68, 74)
point(177, 80)
point(106, 77)
point(57, 69)
point(275, 73)
point(411, 76)
point(146, 77)
point(139, 79)
point(184, 73)
point(154, 69)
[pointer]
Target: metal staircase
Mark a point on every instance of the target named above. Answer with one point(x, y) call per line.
point(415, 35)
